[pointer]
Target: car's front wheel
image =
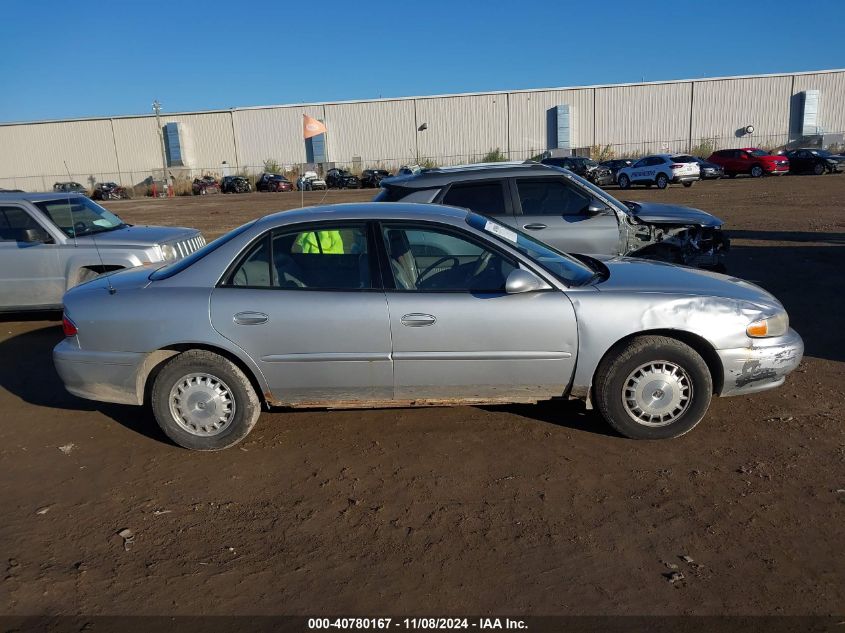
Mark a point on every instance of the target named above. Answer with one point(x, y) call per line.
point(204, 402)
point(662, 181)
point(818, 169)
point(756, 171)
point(624, 182)
point(653, 387)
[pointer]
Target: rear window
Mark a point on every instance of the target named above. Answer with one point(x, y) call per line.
point(483, 197)
point(684, 159)
point(177, 267)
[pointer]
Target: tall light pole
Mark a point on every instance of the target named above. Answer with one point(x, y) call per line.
point(157, 110)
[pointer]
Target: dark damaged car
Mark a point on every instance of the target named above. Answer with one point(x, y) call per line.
point(568, 212)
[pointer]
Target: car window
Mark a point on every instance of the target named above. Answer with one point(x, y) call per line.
point(78, 216)
point(429, 259)
point(13, 222)
point(551, 197)
point(641, 163)
point(482, 197)
point(684, 159)
point(325, 257)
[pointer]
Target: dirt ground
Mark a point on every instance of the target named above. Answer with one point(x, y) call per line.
point(497, 510)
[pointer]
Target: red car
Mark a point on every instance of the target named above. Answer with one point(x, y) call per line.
point(273, 182)
point(749, 160)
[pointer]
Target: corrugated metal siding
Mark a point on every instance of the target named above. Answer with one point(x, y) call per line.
point(274, 133)
point(462, 128)
point(529, 118)
point(721, 108)
point(628, 115)
point(831, 87)
point(42, 149)
point(382, 130)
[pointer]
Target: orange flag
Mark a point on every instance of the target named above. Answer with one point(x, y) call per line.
point(312, 127)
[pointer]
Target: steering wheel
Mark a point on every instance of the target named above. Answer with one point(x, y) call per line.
point(436, 264)
point(483, 262)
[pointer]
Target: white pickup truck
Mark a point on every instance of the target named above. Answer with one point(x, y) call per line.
point(50, 242)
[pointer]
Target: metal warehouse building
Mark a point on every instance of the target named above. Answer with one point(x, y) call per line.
point(448, 129)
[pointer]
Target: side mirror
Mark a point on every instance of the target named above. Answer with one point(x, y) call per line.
point(596, 208)
point(32, 236)
point(521, 280)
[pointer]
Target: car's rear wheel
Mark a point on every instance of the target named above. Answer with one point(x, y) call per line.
point(818, 169)
point(653, 387)
point(624, 182)
point(756, 171)
point(662, 181)
point(204, 402)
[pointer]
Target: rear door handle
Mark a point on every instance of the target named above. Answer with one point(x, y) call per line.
point(418, 320)
point(536, 226)
point(251, 318)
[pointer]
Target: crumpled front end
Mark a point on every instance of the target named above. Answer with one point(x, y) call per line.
point(696, 246)
point(762, 365)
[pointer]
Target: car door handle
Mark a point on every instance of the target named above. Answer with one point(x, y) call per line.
point(418, 320)
point(536, 226)
point(250, 318)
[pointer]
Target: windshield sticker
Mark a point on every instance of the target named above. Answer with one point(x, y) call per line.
point(498, 229)
point(103, 223)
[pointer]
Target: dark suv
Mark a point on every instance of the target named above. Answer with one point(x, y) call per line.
point(584, 167)
point(568, 212)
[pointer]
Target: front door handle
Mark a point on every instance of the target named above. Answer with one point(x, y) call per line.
point(536, 226)
point(418, 320)
point(250, 318)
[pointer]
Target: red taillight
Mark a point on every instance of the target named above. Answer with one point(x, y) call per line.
point(68, 326)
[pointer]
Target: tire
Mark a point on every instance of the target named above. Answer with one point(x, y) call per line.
point(624, 182)
point(756, 171)
point(662, 181)
point(195, 374)
point(818, 169)
point(688, 183)
point(642, 365)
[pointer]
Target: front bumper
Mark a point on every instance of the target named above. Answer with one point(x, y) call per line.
point(777, 171)
point(762, 365)
point(103, 376)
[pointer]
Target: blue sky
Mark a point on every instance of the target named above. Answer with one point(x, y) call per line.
point(63, 59)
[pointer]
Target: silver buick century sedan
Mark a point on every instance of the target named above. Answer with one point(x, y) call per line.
point(392, 304)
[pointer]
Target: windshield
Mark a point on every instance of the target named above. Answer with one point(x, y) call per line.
point(821, 152)
point(77, 216)
point(758, 152)
point(597, 191)
point(178, 266)
point(565, 267)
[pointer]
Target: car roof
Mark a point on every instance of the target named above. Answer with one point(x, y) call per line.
point(369, 211)
point(38, 196)
point(439, 176)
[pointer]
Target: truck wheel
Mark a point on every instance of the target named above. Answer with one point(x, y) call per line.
point(652, 388)
point(624, 182)
point(818, 169)
point(756, 171)
point(662, 181)
point(204, 402)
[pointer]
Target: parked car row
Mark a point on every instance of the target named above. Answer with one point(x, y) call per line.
point(661, 170)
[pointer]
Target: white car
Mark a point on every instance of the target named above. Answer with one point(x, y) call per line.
point(660, 170)
point(310, 181)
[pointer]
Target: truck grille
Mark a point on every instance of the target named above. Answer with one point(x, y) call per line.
point(186, 247)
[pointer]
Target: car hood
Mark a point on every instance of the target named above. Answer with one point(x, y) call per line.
point(628, 274)
point(656, 213)
point(142, 236)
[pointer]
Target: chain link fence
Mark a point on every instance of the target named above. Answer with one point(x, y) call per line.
point(149, 182)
